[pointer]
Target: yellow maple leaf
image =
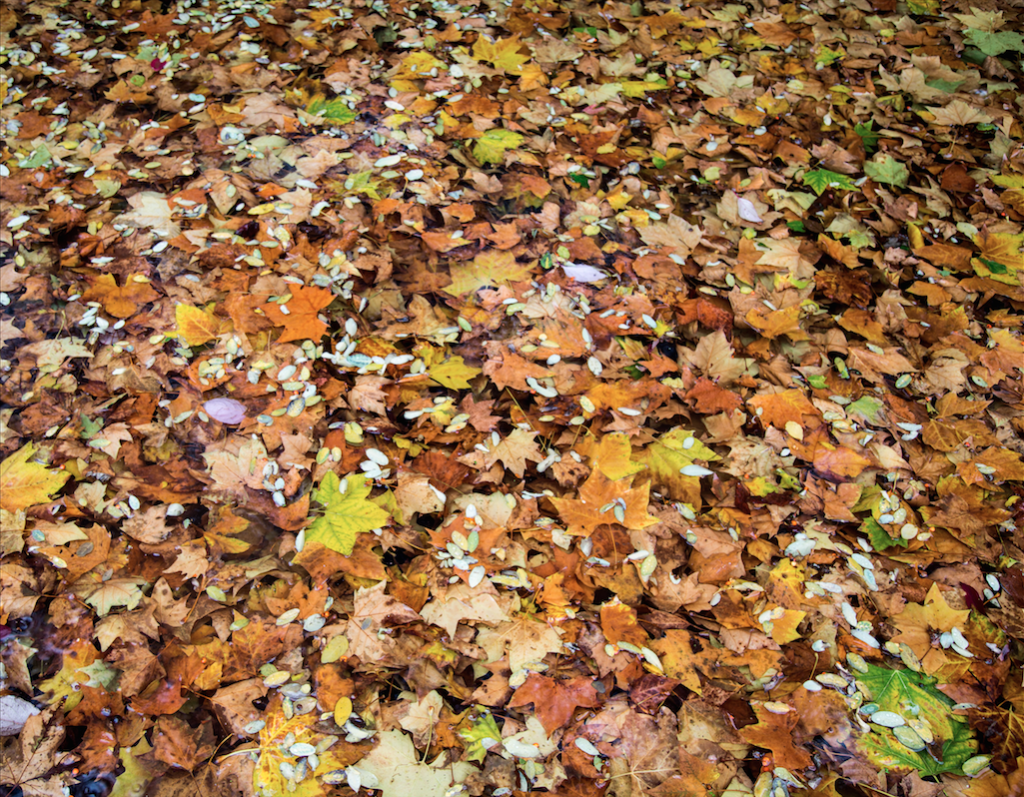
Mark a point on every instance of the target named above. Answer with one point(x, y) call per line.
point(282, 741)
point(612, 456)
point(493, 267)
point(24, 483)
point(503, 53)
point(196, 326)
point(778, 322)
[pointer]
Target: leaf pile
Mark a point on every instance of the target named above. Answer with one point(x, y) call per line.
point(524, 397)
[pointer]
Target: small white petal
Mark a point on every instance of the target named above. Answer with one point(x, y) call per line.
point(747, 211)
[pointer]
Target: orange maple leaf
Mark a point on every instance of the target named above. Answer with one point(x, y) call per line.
point(583, 515)
point(121, 301)
point(775, 732)
point(300, 314)
point(555, 701)
point(778, 322)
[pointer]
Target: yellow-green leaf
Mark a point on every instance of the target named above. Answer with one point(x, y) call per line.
point(453, 373)
point(668, 455)
point(492, 267)
point(24, 483)
point(492, 145)
point(347, 515)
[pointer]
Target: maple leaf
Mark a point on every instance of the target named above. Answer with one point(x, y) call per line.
point(493, 144)
point(348, 512)
point(397, 770)
point(30, 755)
point(668, 456)
point(25, 483)
point(493, 267)
point(196, 326)
point(299, 314)
point(611, 455)
point(526, 640)
point(514, 451)
point(280, 741)
point(892, 691)
point(584, 514)
point(121, 301)
point(105, 595)
point(503, 53)
point(774, 731)
point(555, 700)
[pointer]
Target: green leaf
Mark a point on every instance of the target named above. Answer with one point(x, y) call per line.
point(887, 170)
point(347, 515)
point(867, 407)
point(492, 145)
point(879, 537)
point(867, 135)
point(995, 43)
point(905, 692)
point(483, 727)
point(335, 110)
point(820, 179)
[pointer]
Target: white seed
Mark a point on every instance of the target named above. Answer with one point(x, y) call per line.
point(521, 749)
point(888, 719)
point(376, 456)
point(586, 746)
point(972, 766)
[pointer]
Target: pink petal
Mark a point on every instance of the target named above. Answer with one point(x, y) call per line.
point(225, 410)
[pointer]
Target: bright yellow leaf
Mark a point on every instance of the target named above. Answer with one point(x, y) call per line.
point(195, 326)
point(504, 53)
point(24, 483)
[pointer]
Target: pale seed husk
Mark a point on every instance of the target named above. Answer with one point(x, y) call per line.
point(909, 738)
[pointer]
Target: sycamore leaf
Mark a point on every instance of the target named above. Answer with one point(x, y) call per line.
point(25, 483)
point(492, 145)
point(347, 514)
point(480, 734)
point(996, 42)
point(335, 111)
